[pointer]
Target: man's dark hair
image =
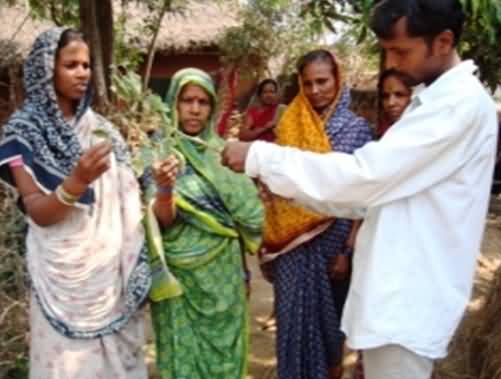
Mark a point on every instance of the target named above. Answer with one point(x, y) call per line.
point(425, 18)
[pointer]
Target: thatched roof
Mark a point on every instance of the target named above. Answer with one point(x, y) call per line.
point(198, 26)
point(17, 33)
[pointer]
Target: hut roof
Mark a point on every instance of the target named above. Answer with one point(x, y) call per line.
point(196, 26)
point(17, 33)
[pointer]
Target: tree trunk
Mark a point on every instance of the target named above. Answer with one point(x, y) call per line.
point(152, 46)
point(105, 20)
point(96, 21)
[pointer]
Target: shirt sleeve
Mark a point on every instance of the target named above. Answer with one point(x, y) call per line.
point(427, 145)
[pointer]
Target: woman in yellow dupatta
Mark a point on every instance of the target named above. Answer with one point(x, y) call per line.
point(301, 245)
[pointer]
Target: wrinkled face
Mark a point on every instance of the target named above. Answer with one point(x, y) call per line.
point(319, 84)
point(193, 109)
point(72, 72)
point(396, 97)
point(414, 56)
point(268, 94)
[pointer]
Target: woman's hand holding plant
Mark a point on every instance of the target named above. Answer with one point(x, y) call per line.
point(165, 173)
point(92, 164)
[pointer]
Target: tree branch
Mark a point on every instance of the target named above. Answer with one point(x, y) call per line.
point(152, 47)
point(53, 13)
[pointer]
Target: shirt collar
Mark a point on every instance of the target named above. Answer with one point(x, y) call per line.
point(442, 86)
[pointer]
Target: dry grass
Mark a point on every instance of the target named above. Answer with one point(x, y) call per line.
point(13, 289)
point(475, 352)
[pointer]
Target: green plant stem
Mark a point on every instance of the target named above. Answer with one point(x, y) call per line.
point(199, 141)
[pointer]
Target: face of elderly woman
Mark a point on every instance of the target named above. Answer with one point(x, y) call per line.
point(193, 108)
point(319, 84)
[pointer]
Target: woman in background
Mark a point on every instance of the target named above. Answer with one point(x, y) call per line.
point(304, 249)
point(263, 116)
point(394, 95)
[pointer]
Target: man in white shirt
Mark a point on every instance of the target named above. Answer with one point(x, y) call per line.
point(423, 190)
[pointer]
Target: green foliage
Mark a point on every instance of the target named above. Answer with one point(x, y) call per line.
point(481, 35)
point(481, 38)
point(270, 28)
point(126, 55)
point(61, 12)
point(333, 14)
point(139, 114)
point(20, 369)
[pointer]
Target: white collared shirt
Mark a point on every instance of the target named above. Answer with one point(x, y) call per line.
point(425, 188)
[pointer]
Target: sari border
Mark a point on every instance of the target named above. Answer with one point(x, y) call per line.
point(138, 287)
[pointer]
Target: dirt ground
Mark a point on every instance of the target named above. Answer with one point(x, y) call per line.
point(262, 360)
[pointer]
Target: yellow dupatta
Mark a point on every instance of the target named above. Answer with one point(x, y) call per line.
point(303, 128)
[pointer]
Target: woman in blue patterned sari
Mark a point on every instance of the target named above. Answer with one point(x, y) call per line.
point(85, 241)
point(308, 254)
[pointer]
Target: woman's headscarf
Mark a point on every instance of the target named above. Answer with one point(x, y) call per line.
point(38, 131)
point(192, 76)
point(237, 192)
point(303, 128)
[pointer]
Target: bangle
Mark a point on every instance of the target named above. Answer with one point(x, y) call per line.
point(65, 197)
point(164, 200)
point(247, 275)
point(348, 250)
point(165, 190)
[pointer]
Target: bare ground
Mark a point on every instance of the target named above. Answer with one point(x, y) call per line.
point(262, 362)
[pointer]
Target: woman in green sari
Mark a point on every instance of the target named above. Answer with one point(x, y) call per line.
point(206, 215)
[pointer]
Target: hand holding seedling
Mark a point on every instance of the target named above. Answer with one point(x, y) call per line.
point(165, 172)
point(93, 163)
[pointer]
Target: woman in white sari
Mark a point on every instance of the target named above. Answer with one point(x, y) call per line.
point(85, 242)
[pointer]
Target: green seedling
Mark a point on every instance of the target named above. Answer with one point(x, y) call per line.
point(101, 133)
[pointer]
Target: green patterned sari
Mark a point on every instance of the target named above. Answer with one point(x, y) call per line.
point(201, 329)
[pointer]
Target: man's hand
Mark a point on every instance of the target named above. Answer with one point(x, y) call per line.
point(235, 154)
point(340, 267)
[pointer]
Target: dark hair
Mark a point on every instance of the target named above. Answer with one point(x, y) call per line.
point(392, 73)
point(425, 18)
point(68, 36)
point(263, 83)
point(319, 55)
